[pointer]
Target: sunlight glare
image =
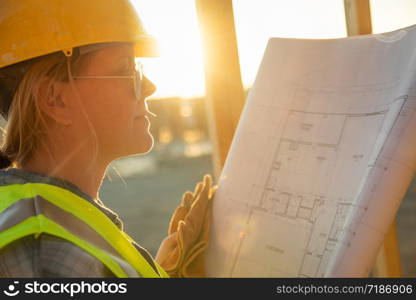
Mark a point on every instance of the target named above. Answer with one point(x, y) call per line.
point(179, 70)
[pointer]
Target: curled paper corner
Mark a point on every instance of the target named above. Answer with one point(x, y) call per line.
point(391, 37)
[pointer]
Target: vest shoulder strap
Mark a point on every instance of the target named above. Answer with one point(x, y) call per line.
point(33, 208)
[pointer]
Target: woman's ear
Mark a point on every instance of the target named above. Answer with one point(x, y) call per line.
point(148, 88)
point(52, 101)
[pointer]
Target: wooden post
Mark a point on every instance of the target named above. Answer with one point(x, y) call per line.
point(388, 261)
point(224, 88)
point(358, 19)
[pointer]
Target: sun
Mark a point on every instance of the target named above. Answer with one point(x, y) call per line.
point(179, 70)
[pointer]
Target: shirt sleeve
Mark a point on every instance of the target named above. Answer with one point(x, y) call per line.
point(49, 256)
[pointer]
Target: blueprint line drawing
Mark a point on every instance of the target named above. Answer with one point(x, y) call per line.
point(323, 153)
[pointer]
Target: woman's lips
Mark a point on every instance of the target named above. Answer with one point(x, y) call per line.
point(148, 113)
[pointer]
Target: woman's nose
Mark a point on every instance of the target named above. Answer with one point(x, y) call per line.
point(148, 88)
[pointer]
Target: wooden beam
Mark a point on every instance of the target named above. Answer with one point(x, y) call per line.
point(358, 17)
point(358, 20)
point(224, 88)
point(387, 262)
point(225, 93)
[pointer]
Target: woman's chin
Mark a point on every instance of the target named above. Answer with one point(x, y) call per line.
point(146, 144)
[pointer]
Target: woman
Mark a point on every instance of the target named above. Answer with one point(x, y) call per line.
point(74, 99)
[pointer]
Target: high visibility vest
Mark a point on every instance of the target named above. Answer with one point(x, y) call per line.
point(35, 208)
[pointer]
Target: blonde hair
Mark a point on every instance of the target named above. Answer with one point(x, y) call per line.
point(26, 127)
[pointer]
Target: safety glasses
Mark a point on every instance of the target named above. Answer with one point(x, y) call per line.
point(136, 77)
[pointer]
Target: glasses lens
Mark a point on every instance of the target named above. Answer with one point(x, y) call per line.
point(138, 79)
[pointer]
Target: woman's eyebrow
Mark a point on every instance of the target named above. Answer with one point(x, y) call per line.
point(124, 56)
point(125, 60)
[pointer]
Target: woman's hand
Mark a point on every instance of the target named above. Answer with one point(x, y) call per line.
point(181, 253)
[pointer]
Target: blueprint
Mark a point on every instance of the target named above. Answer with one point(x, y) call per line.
point(322, 156)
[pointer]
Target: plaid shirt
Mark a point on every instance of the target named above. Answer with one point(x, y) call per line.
point(51, 256)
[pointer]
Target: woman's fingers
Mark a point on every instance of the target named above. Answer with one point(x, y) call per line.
point(196, 215)
point(193, 208)
point(187, 199)
point(178, 215)
point(198, 189)
point(181, 211)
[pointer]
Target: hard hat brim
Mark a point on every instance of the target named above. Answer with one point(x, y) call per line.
point(146, 46)
point(33, 28)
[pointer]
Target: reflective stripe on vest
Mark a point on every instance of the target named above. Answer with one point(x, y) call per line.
point(33, 208)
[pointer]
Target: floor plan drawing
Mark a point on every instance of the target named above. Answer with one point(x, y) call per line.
point(320, 159)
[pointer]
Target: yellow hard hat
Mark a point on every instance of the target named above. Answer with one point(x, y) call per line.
point(33, 28)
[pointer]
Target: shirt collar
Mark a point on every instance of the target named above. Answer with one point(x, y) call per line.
point(19, 176)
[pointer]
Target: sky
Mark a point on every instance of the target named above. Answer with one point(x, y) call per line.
point(179, 69)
